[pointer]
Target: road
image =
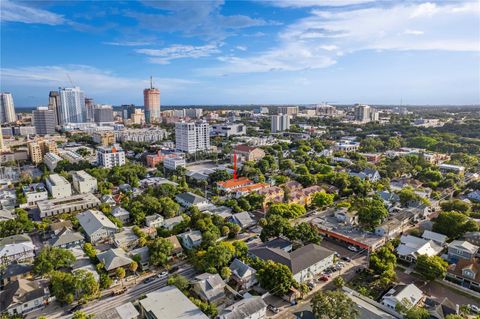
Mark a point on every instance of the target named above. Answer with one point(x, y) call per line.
point(108, 302)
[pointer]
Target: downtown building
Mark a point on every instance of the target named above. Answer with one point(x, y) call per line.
point(365, 113)
point(54, 105)
point(110, 156)
point(151, 103)
point(7, 108)
point(103, 113)
point(191, 137)
point(280, 123)
point(44, 121)
point(72, 106)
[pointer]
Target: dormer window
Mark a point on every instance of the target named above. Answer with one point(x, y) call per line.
point(468, 273)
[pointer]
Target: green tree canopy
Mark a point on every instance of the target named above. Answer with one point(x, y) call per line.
point(453, 224)
point(52, 258)
point(333, 305)
point(431, 268)
point(371, 212)
point(275, 277)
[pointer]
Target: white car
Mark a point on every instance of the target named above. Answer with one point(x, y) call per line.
point(163, 274)
point(352, 248)
point(474, 309)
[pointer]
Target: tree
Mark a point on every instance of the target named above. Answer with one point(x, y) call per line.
point(178, 281)
point(275, 226)
point(339, 282)
point(52, 258)
point(120, 273)
point(333, 305)
point(306, 233)
point(322, 199)
point(169, 207)
point(218, 256)
point(81, 315)
point(67, 287)
point(225, 273)
point(456, 205)
point(275, 277)
point(371, 212)
point(431, 267)
point(408, 196)
point(89, 250)
point(417, 313)
point(383, 261)
point(453, 224)
point(160, 250)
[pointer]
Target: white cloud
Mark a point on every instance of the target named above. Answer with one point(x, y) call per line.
point(90, 79)
point(15, 12)
point(241, 48)
point(128, 43)
point(315, 3)
point(319, 39)
point(178, 51)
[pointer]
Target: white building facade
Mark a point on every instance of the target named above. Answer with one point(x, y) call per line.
point(191, 137)
point(110, 156)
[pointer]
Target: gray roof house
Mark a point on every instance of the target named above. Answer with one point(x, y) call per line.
point(67, 239)
point(189, 199)
point(249, 308)
point(169, 303)
point(304, 262)
point(243, 274)
point(461, 249)
point(155, 220)
point(243, 220)
point(368, 173)
point(191, 239)
point(209, 287)
point(114, 258)
point(23, 296)
point(122, 214)
point(96, 225)
point(436, 237)
point(125, 311)
point(171, 222)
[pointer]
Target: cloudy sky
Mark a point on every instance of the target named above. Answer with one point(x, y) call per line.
point(242, 52)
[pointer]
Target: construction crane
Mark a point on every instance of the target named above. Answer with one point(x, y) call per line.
point(70, 80)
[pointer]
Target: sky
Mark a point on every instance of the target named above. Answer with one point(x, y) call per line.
point(243, 52)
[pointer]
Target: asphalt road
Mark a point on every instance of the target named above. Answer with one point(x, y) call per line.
point(108, 302)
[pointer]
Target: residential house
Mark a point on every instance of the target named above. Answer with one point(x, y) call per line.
point(272, 194)
point(242, 219)
point(303, 196)
point(245, 190)
point(209, 287)
point(304, 262)
point(177, 250)
point(191, 238)
point(121, 214)
point(14, 272)
point(34, 193)
point(466, 273)
point(155, 221)
point(248, 308)
point(367, 174)
point(67, 238)
point(16, 248)
point(142, 255)
point(243, 275)
point(125, 239)
point(292, 186)
point(411, 247)
point(409, 295)
point(389, 198)
point(248, 153)
point(472, 237)
point(171, 222)
point(108, 199)
point(23, 296)
point(280, 243)
point(169, 302)
point(474, 196)
point(440, 309)
point(56, 228)
point(125, 311)
point(461, 249)
point(232, 185)
point(114, 258)
point(96, 226)
point(439, 239)
point(189, 199)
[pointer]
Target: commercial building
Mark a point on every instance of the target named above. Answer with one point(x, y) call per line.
point(72, 105)
point(248, 153)
point(150, 135)
point(103, 113)
point(151, 103)
point(84, 182)
point(51, 160)
point(24, 130)
point(104, 138)
point(229, 129)
point(448, 168)
point(172, 163)
point(325, 110)
point(71, 156)
point(138, 117)
point(287, 110)
point(58, 186)
point(69, 204)
point(44, 121)
point(193, 113)
point(280, 123)
point(54, 105)
point(7, 108)
point(365, 113)
point(192, 137)
point(110, 156)
point(89, 106)
point(38, 148)
point(154, 160)
point(35, 193)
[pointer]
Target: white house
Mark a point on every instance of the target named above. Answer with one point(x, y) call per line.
point(16, 248)
point(249, 308)
point(243, 274)
point(411, 247)
point(475, 196)
point(154, 221)
point(408, 295)
point(189, 199)
point(96, 225)
point(191, 239)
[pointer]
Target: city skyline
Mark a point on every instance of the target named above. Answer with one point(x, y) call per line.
point(248, 52)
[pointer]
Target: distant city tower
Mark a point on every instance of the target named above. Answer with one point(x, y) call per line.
point(151, 102)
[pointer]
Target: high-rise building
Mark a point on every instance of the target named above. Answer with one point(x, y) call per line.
point(110, 156)
point(138, 117)
point(37, 149)
point(43, 119)
point(287, 110)
point(194, 113)
point(365, 113)
point(192, 137)
point(325, 110)
point(103, 113)
point(127, 111)
point(280, 123)
point(54, 105)
point(89, 112)
point(151, 103)
point(7, 108)
point(72, 105)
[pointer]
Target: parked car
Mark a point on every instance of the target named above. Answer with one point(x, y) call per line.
point(346, 258)
point(273, 309)
point(310, 285)
point(148, 280)
point(173, 269)
point(119, 291)
point(324, 278)
point(474, 309)
point(163, 274)
point(336, 254)
point(352, 248)
point(76, 308)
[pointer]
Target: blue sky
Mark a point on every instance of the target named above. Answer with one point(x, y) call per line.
point(244, 52)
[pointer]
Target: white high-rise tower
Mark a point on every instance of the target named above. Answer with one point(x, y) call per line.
point(72, 106)
point(7, 108)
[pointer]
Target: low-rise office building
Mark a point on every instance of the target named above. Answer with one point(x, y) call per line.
point(172, 163)
point(84, 182)
point(51, 160)
point(69, 204)
point(35, 193)
point(58, 186)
